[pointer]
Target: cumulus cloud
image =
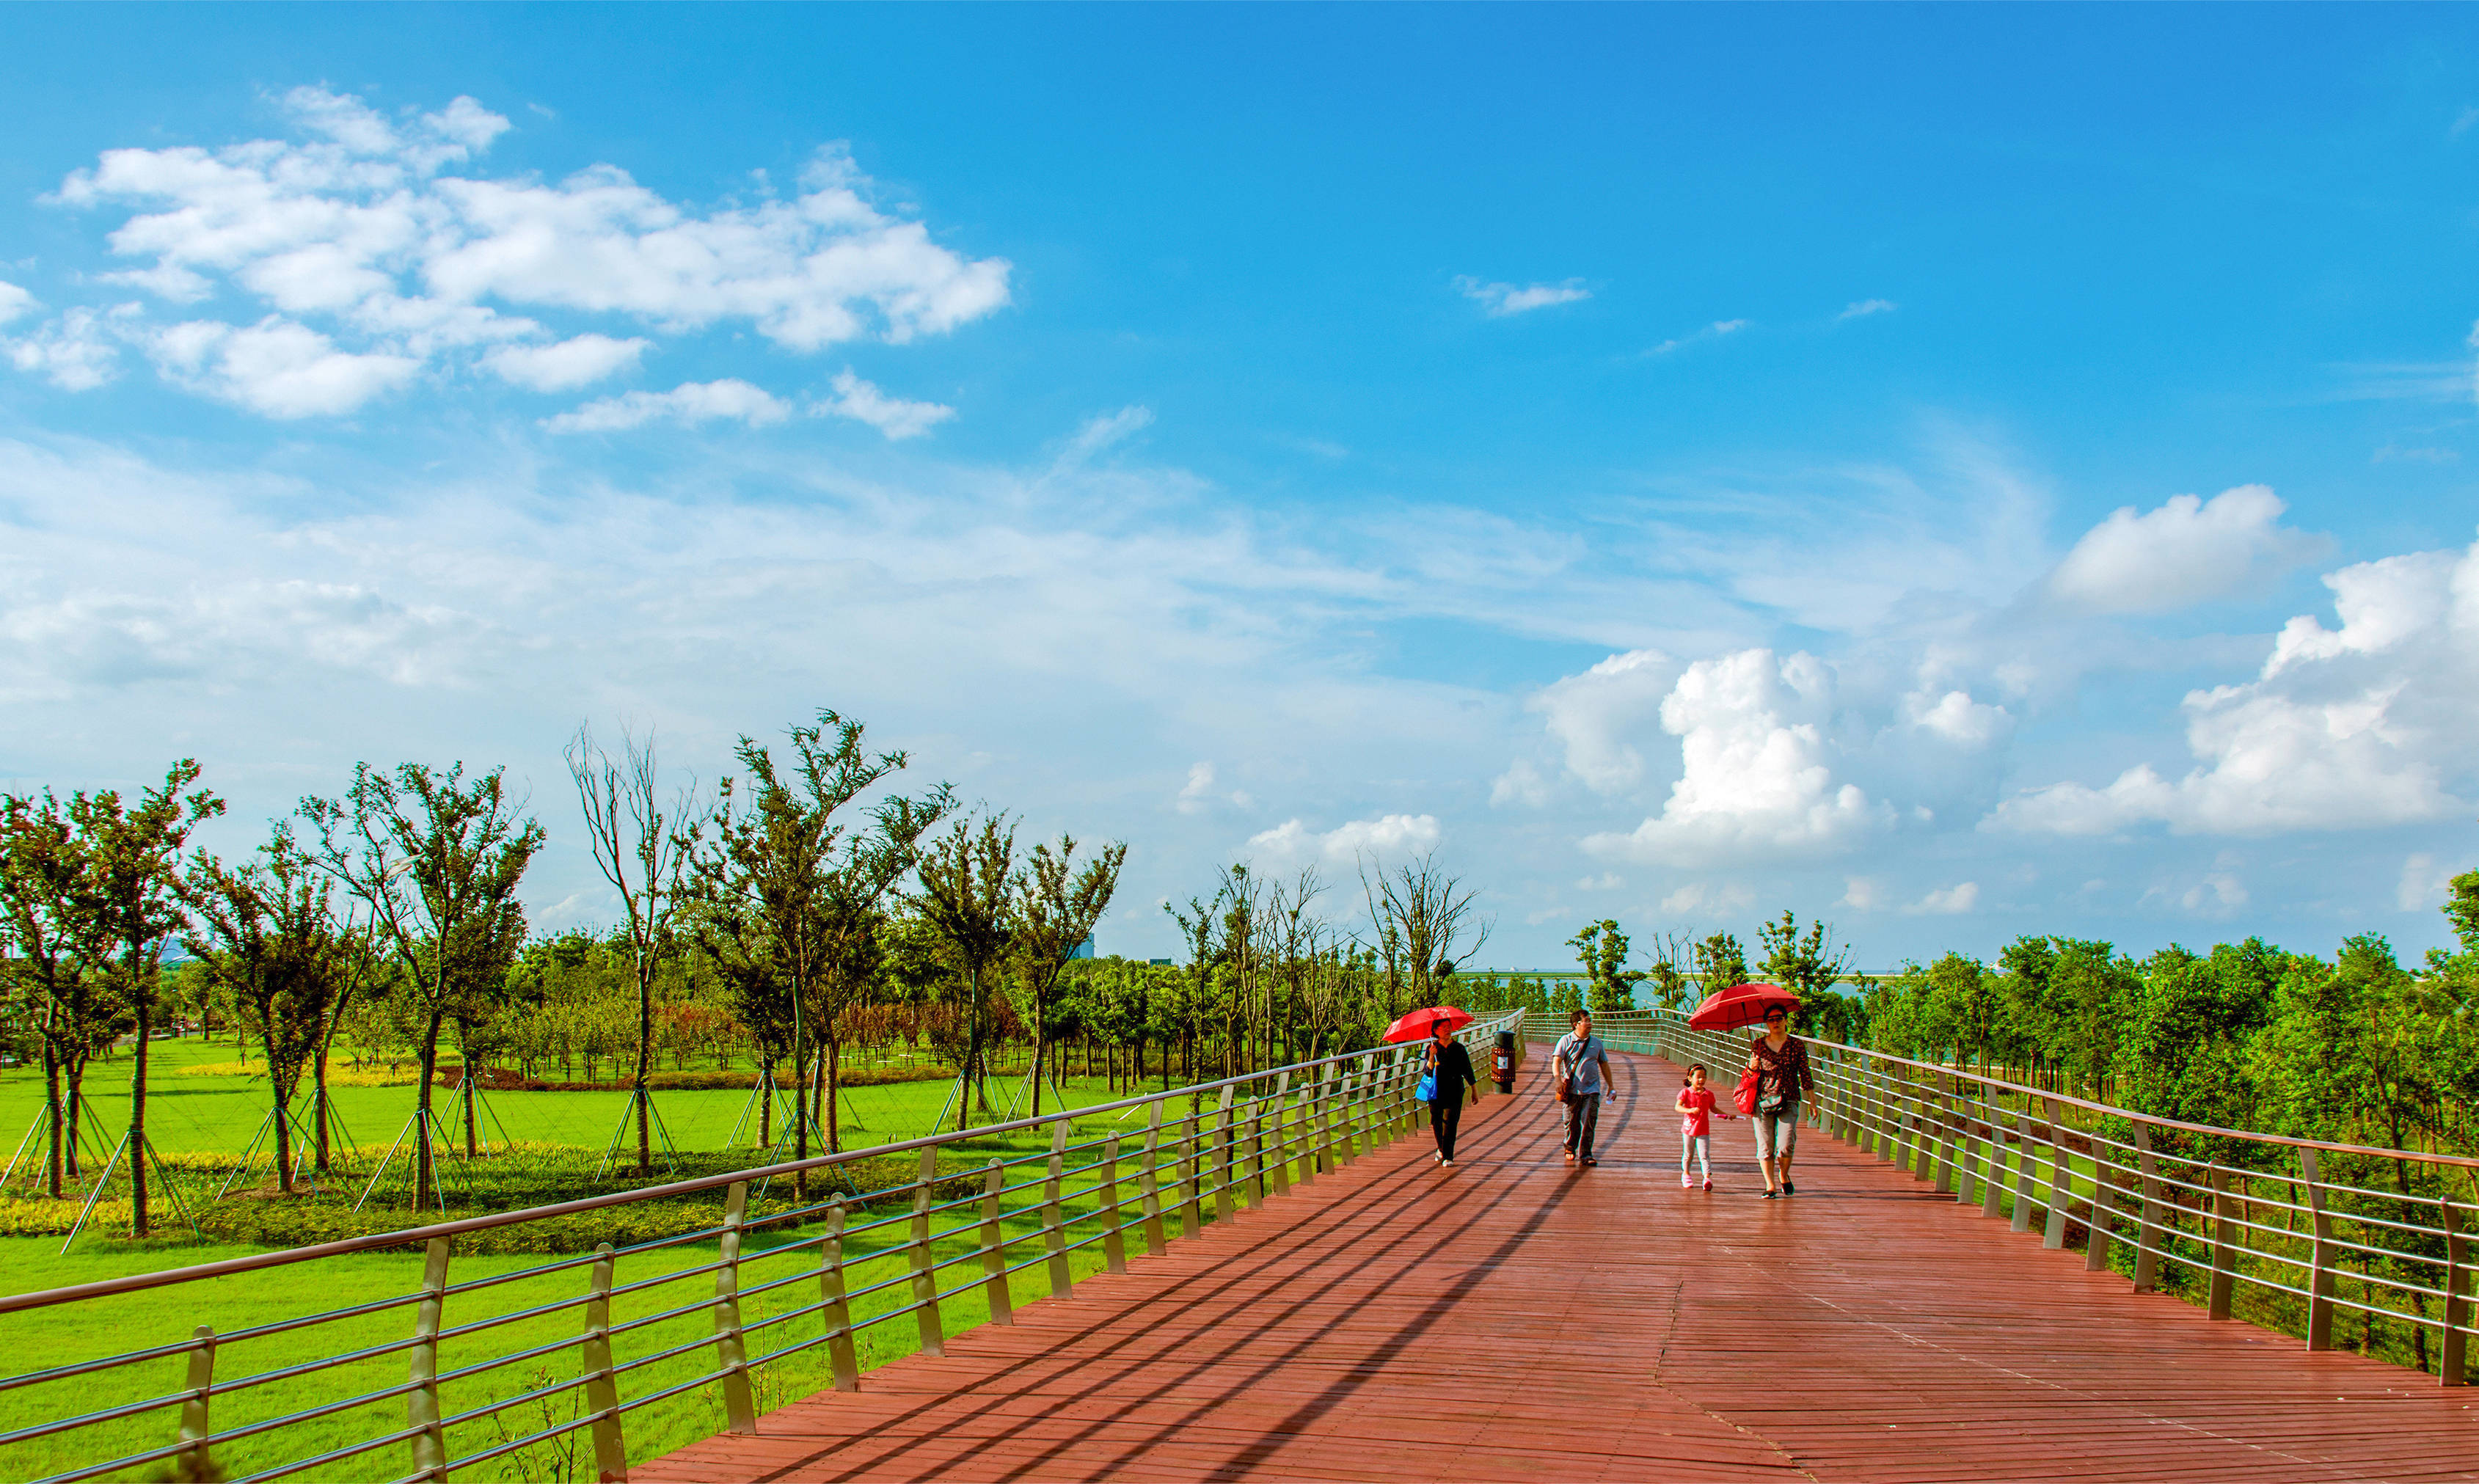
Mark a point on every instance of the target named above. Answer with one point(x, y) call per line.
point(1595, 715)
point(15, 302)
point(78, 351)
point(1520, 784)
point(1501, 300)
point(1862, 893)
point(1946, 901)
point(1389, 836)
point(355, 230)
point(892, 416)
point(690, 402)
point(277, 367)
point(1196, 795)
point(2423, 884)
point(563, 366)
point(2188, 551)
point(1759, 769)
point(1716, 899)
point(2349, 728)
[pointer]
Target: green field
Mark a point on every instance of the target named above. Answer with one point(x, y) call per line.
point(202, 1122)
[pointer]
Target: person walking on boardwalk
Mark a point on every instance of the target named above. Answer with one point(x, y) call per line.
point(1779, 1060)
point(1582, 1068)
point(1696, 1132)
point(1448, 1065)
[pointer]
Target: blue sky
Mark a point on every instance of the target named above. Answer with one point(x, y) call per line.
point(1897, 464)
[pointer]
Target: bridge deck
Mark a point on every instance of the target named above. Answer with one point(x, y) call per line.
point(1511, 1319)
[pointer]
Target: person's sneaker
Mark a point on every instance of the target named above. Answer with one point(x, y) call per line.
point(1589, 1160)
point(1446, 1164)
point(1708, 1185)
point(1789, 1189)
point(1772, 1195)
point(1571, 1156)
point(1686, 1183)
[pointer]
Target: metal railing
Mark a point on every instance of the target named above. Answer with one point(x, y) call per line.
point(570, 1346)
point(2215, 1212)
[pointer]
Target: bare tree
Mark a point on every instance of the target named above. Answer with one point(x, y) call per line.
point(643, 841)
point(1428, 914)
point(1057, 906)
point(1293, 933)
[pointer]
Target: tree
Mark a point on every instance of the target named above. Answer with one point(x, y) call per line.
point(437, 860)
point(767, 913)
point(1809, 963)
point(134, 882)
point(46, 911)
point(1057, 906)
point(1202, 929)
point(1963, 1006)
point(968, 884)
point(1603, 950)
point(273, 940)
point(1429, 913)
point(1721, 963)
point(1673, 963)
point(643, 843)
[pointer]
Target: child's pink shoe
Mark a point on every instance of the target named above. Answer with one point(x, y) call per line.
point(1708, 1185)
point(1686, 1183)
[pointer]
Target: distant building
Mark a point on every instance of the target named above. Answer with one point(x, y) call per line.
point(1083, 950)
point(1163, 962)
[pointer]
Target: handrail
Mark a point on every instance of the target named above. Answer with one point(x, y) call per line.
point(1239, 1140)
point(2186, 1220)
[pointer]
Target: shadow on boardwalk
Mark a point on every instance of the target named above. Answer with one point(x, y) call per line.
point(1514, 1318)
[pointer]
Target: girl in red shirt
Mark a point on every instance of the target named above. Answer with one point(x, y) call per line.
point(1695, 1134)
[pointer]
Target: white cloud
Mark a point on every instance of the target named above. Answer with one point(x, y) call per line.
point(1758, 780)
point(690, 402)
point(1707, 898)
point(276, 368)
point(565, 365)
point(2351, 727)
point(1501, 300)
point(1520, 784)
point(15, 302)
point(1862, 893)
point(77, 352)
point(896, 419)
point(2217, 892)
point(1593, 714)
point(1387, 837)
point(2188, 551)
point(2423, 884)
point(1195, 795)
point(1607, 880)
point(1714, 331)
point(1946, 901)
point(352, 224)
point(1862, 309)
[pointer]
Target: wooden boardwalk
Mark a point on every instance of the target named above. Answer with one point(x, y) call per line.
point(1511, 1319)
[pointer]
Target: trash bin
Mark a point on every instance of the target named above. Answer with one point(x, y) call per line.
point(1502, 1061)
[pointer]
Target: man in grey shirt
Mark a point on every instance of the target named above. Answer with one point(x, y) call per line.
point(1581, 1065)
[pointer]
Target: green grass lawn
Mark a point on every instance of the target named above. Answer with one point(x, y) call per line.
point(217, 1113)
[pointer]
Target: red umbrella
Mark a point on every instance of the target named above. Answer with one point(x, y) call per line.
point(1740, 1004)
point(1422, 1024)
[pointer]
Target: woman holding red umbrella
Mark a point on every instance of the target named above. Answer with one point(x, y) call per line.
point(1779, 1060)
point(1449, 1064)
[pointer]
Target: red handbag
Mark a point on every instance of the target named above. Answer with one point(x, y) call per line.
point(1747, 1094)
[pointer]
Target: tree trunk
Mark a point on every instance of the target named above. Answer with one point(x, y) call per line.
point(137, 1169)
point(766, 1104)
point(465, 1084)
point(75, 1103)
point(424, 1173)
point(319, 1105)
point(644, 1065)
point(971, 1069)
point(52, 1105)
point(283, 1137)
point(834, 1078)
point(1037, 1027)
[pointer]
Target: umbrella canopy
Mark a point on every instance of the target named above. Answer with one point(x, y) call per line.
point(1422, 1024)
point(1740, 1004)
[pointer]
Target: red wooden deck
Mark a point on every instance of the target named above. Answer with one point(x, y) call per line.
point(1512, 1319)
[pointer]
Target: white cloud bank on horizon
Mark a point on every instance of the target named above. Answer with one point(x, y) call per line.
point(372, 266)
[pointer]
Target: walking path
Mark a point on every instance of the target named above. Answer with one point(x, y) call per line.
point(1511, 1319)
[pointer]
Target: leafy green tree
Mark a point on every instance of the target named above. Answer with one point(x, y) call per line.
point(1721, 963)
point(1603, 950)
point(47, 911)
point(1806, 963)
point(437, 858)
point(133, 855)
point(273, 941)
point(968, 888)
point(1964, 1009)
point(2187, 1048)
point(1056, 906)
